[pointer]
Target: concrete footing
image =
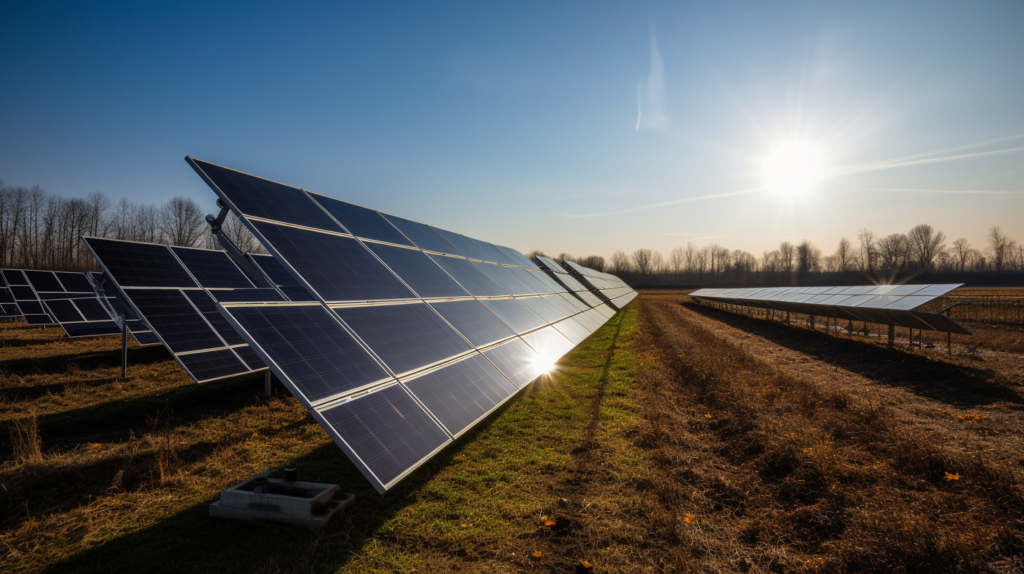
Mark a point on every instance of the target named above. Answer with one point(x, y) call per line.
point(308, 504)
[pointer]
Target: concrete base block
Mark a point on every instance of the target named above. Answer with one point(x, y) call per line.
point(309, 504)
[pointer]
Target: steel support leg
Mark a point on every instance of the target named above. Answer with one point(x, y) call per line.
point(892, 334)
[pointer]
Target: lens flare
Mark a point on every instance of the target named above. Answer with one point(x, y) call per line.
point(793, 168)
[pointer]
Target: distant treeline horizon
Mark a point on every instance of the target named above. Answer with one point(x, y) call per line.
point(40, 230)
point(921, 255)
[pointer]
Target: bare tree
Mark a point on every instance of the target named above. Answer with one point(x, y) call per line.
point(893, 254)
point(182, 221)
point(535, 253)
point(677, 262)
point(961, 253)
point(642, 259)
point(240, 235)
point(925, 245)
point(595, 262)
point(1000, 247)
point(786, 255)
point(620, 263)
point(808, 257)
point(843, 257)
point(868, 250)
point(563, 257)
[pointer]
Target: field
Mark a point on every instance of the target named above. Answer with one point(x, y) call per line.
point(676, 438)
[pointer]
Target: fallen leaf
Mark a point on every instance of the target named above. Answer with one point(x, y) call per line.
point(537, 553)
point(707, 416)
point(808, 450)
point(688, 518)
point(953, 476)
point(549, 523)
point(464, 525)
point(97, 446)
point(586, 565)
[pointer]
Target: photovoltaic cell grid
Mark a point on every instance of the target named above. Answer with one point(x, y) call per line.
point(178, 302)
point(58, 297)
point(416, 333)
point(886, 304)
point(608, 287)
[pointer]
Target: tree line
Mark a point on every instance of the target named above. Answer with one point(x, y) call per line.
point(40, 230)
point(892, 258)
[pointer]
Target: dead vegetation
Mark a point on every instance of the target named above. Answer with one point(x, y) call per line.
point(773, 471)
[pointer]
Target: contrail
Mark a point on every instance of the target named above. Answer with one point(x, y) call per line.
point(673, 202)
point(910, 159)
point(948, 191)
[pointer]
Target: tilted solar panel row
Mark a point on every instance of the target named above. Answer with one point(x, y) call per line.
point(886, 304)
point(416, 333)
point(175, 291)
point(59, 297)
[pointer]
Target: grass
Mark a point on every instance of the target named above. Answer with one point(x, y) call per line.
point(675, 439)
point(127, 469)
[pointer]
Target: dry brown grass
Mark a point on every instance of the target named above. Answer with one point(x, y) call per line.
point(780, 472)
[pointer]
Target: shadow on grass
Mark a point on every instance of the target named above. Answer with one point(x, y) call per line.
point(191, 541)
point(947, 382)
point(115, 420)
point(87, 361)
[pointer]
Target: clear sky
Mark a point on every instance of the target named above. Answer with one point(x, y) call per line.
point(583, 127)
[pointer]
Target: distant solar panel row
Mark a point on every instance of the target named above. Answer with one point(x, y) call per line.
point(608, 287)
point(886, 304)
point(58, 297)
point(416, 333)
point(174, 291)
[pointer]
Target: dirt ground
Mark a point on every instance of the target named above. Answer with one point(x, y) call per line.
point(801, 450)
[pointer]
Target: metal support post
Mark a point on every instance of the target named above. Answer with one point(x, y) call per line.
point(812, 322)
point(266, 383)
point(124, 348)
point(949, 343)
point(892, 334)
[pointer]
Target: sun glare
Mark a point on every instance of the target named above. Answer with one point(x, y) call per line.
point(793, 168)
point(543, 364)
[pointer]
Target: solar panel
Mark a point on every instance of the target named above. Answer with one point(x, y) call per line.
point(887, 304)
point(416, 333)
point(178, 307)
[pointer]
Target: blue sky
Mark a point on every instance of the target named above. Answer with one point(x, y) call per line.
point(582, 127)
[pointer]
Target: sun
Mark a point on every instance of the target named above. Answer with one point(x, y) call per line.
point(793, 168)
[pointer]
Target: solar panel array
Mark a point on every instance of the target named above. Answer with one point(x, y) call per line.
point(886, 304)
point(175, 291)
point(558, 273)
point(56, 297)
point(415, 333)
point(609, 288)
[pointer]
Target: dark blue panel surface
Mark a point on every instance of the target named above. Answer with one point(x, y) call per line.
point(31, 308)
point(5, 295)
point(14, 277)
point(172, 316)
point(94, 329)
point(338, 268)
point(44, 281)
point(514, 314)
point(212, 269)
point(208, 308)
point(310, 347)
point(502, 276)
point(516, 256)
point(474, 321)
point(278, 275)
point(419, 271)
point(492, 252)
point(64, 311)
point(472, 279)
point(422, 235)
point(253, 294)
point(267, 199)
point(360, 221)
point(461, 393)
point(517, 360)
point(23, 293)
point(405, 337)
point(140, 264)
point(465, 245)
point(543, 309)
point(74, 282)
point(91, 309)
point(387, 430)
point(213, 364)
point(9, 309)
point(37, 319)
point(249, 357)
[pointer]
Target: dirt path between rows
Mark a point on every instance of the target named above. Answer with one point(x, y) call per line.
point(785, 449)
